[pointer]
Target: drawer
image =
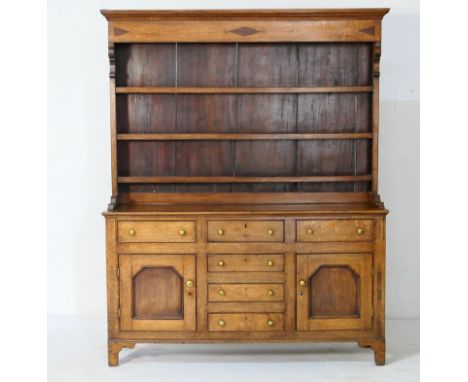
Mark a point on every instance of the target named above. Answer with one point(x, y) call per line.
point(245, 263)
point(245, 231)
point(335, 230)
point(245, 292)
point(157, 231)
point(245, 322)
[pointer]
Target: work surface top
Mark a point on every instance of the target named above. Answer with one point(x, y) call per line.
point(248, 209)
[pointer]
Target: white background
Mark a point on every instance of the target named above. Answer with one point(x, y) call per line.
point(79, 183)
point(23, 123)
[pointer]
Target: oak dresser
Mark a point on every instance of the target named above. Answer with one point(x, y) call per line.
point(244, 151)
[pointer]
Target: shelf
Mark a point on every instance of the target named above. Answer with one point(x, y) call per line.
point(243, 179)
point(240, 90)
point(238, 137)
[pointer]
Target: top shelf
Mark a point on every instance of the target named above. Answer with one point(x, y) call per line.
point(241, 90)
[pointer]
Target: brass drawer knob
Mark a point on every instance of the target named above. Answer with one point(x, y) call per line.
point(360, 231)
point(221, 292)
point(270, 263)
point(189, 283)
point(270, 323)
point(221, 263)
point(182, 232)
point(270, 232)
point(302, 283)
point(221, 323)
point(131, 232)
point(271, 292)
point(221, 232)
point(310, 231)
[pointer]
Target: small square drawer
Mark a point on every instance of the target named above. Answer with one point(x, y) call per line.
point(335, 230)
point(245, 292)
point(245, 263)
point(157, 232)
point(245, 322)
point(245, 231)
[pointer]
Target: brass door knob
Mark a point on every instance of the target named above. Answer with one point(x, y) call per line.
point(270, 232)
point(182, 232)
point(270, 263)
point(360, 231)
point(189, 283)
point(221, 263)
point(131, 232)
point(310, 231)
point(302, 283)
point(271, 292)
point(221, 292)
point(221, 232)
point(221, 323)
point(270, 322)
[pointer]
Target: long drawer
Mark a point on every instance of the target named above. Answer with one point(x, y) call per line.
point(245, 231)
point(245, 322)
point(245, 263)
point(157, 231)
point(245, 292)
point(335, 230)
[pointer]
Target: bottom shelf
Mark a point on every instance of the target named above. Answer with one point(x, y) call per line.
point(245, 201)
point(236, 188)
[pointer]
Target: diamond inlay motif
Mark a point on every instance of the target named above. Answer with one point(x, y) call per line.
point(119, 31)
point(244, 31)
point(370, 30)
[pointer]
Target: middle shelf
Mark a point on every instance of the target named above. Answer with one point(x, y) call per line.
point(239, 136)
point(241, 90)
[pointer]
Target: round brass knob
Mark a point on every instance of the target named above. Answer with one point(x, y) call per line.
point(270, 232)
point(189, 283)
point(270, 263)
point(221, 323)
point(221, 263)
point(310, 231)
point(270, 322)
point(360, 231)
point(131, 232)
point(182, 232)
point(302, 283)
point(221, 292)
point(271, 292)
point(221, 232)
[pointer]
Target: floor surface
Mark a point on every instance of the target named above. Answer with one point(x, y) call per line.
point(77, 351)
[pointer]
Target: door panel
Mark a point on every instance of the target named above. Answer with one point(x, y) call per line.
point(157, 292)
point(162, 285)
point(334, 291)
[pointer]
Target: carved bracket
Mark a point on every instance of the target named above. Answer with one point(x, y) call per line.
point(376, 199)
point(113, 350)
point(112, 204)
point(111, 60)
point(378, 346)
point(376, 57)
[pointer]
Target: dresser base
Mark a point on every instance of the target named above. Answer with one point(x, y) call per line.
point(281, 276)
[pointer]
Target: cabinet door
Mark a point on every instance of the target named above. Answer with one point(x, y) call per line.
point(334, 291)
point(157, 292)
